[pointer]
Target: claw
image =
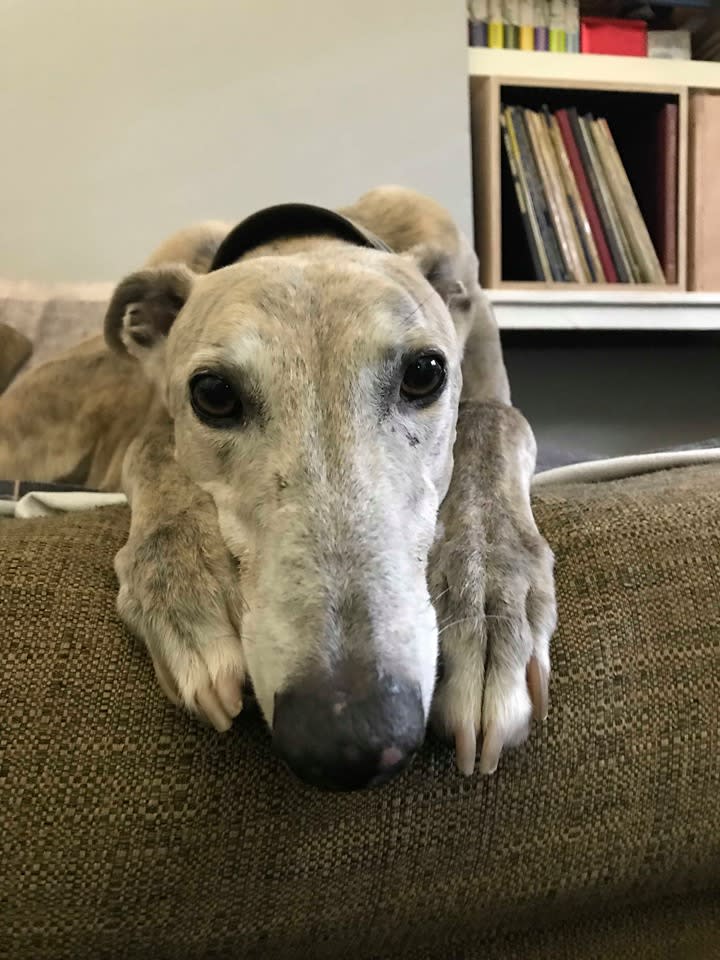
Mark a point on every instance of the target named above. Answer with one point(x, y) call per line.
point(537, 680)
point(465, 749)
point(167, 684)
point(229, 690)
point(209, 705)
point(491, 750)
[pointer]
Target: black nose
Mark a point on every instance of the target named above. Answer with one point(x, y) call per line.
point(346, 736)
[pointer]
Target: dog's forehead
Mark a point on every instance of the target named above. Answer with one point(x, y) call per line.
point(325, 293)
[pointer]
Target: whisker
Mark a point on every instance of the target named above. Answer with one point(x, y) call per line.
point(440, 595)
point(454, 623)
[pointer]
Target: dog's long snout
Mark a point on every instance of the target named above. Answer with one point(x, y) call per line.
point(344, 736)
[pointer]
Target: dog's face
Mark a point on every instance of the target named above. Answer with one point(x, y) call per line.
point(315, 397)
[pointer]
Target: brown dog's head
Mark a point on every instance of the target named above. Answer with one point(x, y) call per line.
point(314, 391)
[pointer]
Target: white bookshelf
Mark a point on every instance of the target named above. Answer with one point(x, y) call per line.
point(538, 306)
point(605, 310)
point(582, 68)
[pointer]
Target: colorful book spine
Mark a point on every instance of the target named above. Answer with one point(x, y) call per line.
point(541, 21)
point(527, 212)
point(571, 225)
point(539, 200)
point(556, 33)
point(477, 11)
point(535, 129)
point(477, 33)
point(572, 26)
point(582, 222)
point(636, 230)
point(526, 32)
point(614, 208)
point(554, 194)
point(496, 26)
point(572, 146)
point(606, 177)
point(511, 24)
point(627, 270)
point(621, 273)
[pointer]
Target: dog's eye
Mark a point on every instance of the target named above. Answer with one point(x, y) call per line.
point(213, 399)
point(424, 377)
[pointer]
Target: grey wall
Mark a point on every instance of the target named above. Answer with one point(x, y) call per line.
point(124, 120)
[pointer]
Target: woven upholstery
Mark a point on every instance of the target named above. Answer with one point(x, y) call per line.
point(128, 830)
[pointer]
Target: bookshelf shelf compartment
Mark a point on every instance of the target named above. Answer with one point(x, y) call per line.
point(632, 110)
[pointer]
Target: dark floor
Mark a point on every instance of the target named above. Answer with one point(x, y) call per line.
point(598, 394)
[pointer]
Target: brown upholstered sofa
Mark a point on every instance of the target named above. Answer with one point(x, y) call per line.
point(128, 830)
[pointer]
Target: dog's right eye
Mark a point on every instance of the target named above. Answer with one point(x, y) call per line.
point(214, 400)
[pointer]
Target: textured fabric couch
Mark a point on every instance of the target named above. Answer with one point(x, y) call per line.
point(129, 830)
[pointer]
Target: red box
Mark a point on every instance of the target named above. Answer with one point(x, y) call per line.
point(622, 38)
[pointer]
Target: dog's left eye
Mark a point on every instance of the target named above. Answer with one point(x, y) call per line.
point(213, 399)
point(424, 377)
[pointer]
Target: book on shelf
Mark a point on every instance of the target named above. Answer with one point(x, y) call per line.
point(580, 266)
point(581, 218)
point(526, 34)
point(546, 187)
point(645, 259)
point(599, 198)
point(540, 206)
point(524, 24)
point(572, 26)
point(478, 14)
point(666, 198)
point(531, 225)
point(618, 241)
point(557, 21)
point(510, 10)
point(574, 201)
point(542, 24)
point(496, 26)
point(609, 274)
point(551, 182)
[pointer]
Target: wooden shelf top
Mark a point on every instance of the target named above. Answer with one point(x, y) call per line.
point(519, 65)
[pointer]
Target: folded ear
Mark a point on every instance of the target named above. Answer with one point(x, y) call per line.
point(144, 307)
point(440, 270)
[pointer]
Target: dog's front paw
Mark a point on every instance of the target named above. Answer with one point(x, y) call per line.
point(492, 582)
point(179, 593)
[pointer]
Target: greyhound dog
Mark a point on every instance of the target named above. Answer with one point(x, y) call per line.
point(329, 488)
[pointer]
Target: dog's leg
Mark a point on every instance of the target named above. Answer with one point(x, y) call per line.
point(72, 417)
point(491, 570)
point(179, 586)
